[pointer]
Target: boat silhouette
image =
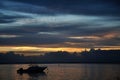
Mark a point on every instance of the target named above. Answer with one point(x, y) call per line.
point(32, 69)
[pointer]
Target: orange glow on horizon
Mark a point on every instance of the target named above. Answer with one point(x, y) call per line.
point(40, 49)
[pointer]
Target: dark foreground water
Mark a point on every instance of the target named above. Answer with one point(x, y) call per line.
point(64, 72)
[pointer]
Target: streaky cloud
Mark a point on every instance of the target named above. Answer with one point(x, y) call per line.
point(60, 23)
point(25, 7)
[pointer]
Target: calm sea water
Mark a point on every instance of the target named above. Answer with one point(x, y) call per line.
point(64, 72)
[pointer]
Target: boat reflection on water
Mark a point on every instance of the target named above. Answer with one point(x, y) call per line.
point(34, 74)
point(37, 74)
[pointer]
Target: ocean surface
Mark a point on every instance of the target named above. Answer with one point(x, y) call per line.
point(64, 72)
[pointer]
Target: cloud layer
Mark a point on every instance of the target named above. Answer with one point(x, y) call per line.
point(60, 23)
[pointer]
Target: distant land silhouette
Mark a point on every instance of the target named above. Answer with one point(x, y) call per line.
point(92, 56)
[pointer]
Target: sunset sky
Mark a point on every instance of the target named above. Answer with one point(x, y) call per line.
point(54, 25)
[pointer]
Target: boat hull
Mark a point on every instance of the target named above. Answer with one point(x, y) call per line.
point(35, 70)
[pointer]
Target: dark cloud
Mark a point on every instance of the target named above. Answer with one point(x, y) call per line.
point(69, 23)
point(89, 7)
point(31, 39)
point(5, 21)
point(4, 18)
point(26, 7)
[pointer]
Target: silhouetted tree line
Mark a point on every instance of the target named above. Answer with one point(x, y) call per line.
point(92, 56)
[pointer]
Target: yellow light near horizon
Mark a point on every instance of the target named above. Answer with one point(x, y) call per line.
point(29, 48)
point(22, 48)
point(26, 48)
point(64, 49)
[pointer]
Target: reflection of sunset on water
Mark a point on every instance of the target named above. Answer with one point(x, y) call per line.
point(64, 72)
